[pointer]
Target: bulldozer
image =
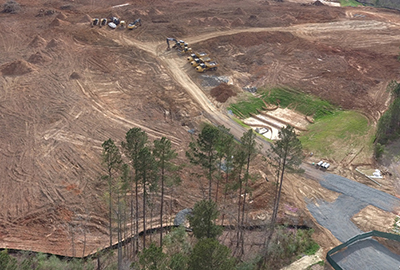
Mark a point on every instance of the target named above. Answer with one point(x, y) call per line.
point(103, 22)
point(203, 67)
point(95, 22)
point(135, 24)
point(197, 61)
point(196, 55)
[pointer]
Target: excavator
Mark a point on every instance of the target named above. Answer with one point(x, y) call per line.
point(203, 67)
point(135, 24)
point(179, 45)
point(196, 55)
point(197, 61)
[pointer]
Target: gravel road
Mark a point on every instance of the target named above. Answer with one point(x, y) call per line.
point(335, 216)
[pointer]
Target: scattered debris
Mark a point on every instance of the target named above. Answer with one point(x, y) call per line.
point(250, 89)
point(212, 80)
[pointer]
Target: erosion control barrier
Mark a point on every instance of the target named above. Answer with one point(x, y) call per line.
point(356, 238)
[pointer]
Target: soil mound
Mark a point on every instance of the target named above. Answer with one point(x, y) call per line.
point(58, 22)
point(74, 76)
point(239, 11)
point(222, 92)
point(237, 22)
point(61, 16)
point(318, 3)
point(16, 68)
point(86, 19)
point(38, 41)
point(38, 58)
point(54, 43)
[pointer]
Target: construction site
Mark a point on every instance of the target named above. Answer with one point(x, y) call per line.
point(75, 73)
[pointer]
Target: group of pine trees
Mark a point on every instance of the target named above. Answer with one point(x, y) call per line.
point(138, 170)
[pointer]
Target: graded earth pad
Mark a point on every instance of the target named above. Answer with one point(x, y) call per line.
point(66, 87)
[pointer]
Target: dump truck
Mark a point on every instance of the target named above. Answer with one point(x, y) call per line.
point(198, 61)
point(203, 67)
point(196, 55)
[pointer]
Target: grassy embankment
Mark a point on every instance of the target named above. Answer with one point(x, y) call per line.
point(335, 134)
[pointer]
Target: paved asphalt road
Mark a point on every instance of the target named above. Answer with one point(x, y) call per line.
point(366, 254)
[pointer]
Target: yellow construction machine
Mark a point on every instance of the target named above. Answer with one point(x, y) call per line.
point(196, 55)
point(197, 61)
point(135, 24)
point(95, 22)
point(203, 67)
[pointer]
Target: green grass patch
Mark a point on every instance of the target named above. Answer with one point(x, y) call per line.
point(338, 135)
point(349, 3)
point(312, 249)
point(286, 98)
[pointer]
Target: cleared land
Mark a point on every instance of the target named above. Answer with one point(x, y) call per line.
point(67, 87)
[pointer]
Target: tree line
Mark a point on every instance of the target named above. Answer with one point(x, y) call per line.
point(140, 169)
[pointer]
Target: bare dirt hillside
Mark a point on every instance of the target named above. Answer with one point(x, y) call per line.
point(65, 87)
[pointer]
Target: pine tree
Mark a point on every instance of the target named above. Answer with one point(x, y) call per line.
point(203, 152)
point(112, 161)
point(136, 139)
point(163, 154)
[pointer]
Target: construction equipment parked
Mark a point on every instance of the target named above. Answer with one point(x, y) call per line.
point(115, 20)
point(203, 67)
point(196, 55)
point(103, 22)
point(95, 22)
point(122, 24)
point(186, 50)
point(179, 45)
point(135, 24)
point(198, 61)
point(112, 25)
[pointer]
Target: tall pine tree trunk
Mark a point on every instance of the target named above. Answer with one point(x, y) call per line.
point(162, 205)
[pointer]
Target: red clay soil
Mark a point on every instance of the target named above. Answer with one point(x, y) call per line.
point(66, 87)
point(222, 92)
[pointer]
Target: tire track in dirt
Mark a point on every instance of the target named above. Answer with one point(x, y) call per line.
point(97, 106)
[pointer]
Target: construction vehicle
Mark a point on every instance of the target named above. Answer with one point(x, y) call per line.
point(103, 22)
point(112, 25)
point(196, 55)
point(122, 24)
point(198, 61)
point(95, 22)
point(177, 43)
point(186, 50)
point(115, 20)
point(135, 24)
point(203, 67)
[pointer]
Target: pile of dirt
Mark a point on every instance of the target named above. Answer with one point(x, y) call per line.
point(38, 58)
point(239, 11)
point(38, 41)
point(58, 22)
point(55, 43)
point(318, 3)
point(222, 92)
point(237, 22)
point(61, 16)
point(16, 68)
